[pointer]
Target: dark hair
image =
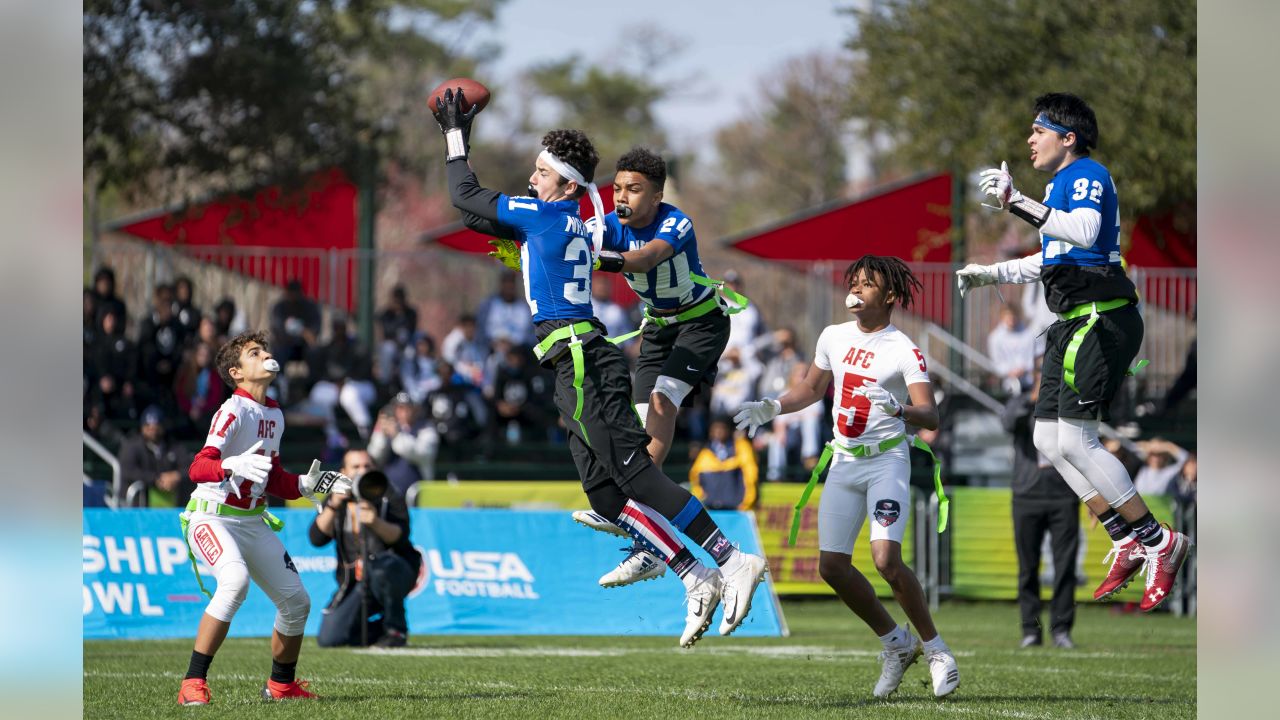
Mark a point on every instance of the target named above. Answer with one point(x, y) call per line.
point(229, 354)
point(1070, 111)
point(647, 163)
point(890, 273)
point(573, 147)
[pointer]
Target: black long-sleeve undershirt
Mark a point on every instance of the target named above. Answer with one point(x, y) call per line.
point(479, 205)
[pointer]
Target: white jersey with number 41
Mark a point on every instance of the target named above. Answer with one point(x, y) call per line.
point(238, 424)
point(886, 358)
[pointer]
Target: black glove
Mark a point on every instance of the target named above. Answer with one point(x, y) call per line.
point(449, 115)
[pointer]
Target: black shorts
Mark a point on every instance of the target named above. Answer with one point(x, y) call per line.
point(687, 351)
point(1101, 363)
point(608, 444)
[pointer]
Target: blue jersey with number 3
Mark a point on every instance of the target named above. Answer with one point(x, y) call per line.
point(555, 256)
point(668, 285)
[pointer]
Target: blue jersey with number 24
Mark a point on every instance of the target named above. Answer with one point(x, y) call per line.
point(668, 285)
point(555, 256)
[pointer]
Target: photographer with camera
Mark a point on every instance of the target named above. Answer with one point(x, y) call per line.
point(377, 564)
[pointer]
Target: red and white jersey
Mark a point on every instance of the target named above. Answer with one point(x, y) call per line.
point(238, 424)
point(886, 358)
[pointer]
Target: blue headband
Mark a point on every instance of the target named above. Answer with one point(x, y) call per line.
point(1043, 121)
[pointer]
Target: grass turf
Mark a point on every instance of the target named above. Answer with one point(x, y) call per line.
point(1125, 666)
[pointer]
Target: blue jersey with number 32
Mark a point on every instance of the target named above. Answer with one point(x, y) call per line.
point(1074, 275)
point(668, 285)
point(1084, 183)
point(555, 256)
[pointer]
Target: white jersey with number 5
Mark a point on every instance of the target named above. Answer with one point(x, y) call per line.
point(886, 358)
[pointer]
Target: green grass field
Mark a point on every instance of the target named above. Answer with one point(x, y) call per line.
point(1125, 666)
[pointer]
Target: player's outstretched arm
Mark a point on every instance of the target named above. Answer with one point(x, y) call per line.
point(1078, 226)
point(751, 415)
point(648, 257)
point(810, 389)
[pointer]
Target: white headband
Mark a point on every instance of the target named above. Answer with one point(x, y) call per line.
point(568, 171)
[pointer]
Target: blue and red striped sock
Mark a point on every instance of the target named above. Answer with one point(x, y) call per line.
point(656, 534)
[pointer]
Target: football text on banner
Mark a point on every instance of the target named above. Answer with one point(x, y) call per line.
point(484, 572)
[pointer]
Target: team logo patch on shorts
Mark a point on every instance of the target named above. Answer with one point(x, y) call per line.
point(207, 543)
point(288, 562)
point(887, 512)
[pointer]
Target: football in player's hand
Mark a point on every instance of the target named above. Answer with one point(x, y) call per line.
point(473, 93)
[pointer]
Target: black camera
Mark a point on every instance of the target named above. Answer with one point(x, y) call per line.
point(371, 486)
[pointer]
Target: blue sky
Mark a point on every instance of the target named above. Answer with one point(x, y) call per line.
point(722, 51)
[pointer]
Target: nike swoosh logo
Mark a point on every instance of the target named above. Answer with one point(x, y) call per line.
point(629, 457)
point(1086, 402)
point(692, 368)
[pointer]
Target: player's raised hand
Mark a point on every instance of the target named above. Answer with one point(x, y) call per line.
point(751, 415)
point(248, 465)
point(506, 252)
point(322, 481)
point(881, 398)
point(449, 114)
point(998, 183)
point(974, 275)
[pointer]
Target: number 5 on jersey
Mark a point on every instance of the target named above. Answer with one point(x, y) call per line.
point(855, 409)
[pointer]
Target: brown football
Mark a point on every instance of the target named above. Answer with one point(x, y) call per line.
point(472, 92)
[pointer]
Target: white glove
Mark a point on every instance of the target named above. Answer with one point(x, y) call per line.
point(881, 398)
point(974, 275)
point(248, 465)
point(998, 183)
point(752, 415)
point(322, 481)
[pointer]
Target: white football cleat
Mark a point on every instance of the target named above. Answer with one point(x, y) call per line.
point(946, 675)
point(639, 565)
point(739, 585)
point(596, 521)
point(895, 662)
point(702, 599)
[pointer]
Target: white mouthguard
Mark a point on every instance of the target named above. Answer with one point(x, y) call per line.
point(271, 365)
point(852, 301)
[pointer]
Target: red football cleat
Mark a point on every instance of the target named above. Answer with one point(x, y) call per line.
point(296, 690)
point(1162, 569)
point(194, 691)
point(1126, 560)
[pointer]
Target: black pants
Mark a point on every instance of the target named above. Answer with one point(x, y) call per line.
point(1031, 520)
point(390, 578)
point(1101, 363)
point(608, 443)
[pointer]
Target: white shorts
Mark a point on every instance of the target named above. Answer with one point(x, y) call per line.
point(228, 542)
point(878, 487)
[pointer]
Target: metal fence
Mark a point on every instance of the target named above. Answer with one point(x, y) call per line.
point(444, 284)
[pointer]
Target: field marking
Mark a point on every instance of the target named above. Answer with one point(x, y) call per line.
point(941, 706)
point(501, 652)
point(812, 652)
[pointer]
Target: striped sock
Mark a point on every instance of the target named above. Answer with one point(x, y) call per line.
point(656, 535)
point(1116, 526)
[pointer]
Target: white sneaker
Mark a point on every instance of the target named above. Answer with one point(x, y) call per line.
point(639, 565)
point(895, 662)
point(946, 676)
point(596, 521)
point(702, 599)
point(739, 585)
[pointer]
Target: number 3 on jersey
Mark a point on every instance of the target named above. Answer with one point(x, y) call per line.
point(854, 407)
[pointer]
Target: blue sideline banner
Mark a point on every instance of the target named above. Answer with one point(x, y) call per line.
point(484, 572)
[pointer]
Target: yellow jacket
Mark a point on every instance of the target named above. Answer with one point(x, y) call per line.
point(744, 459)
